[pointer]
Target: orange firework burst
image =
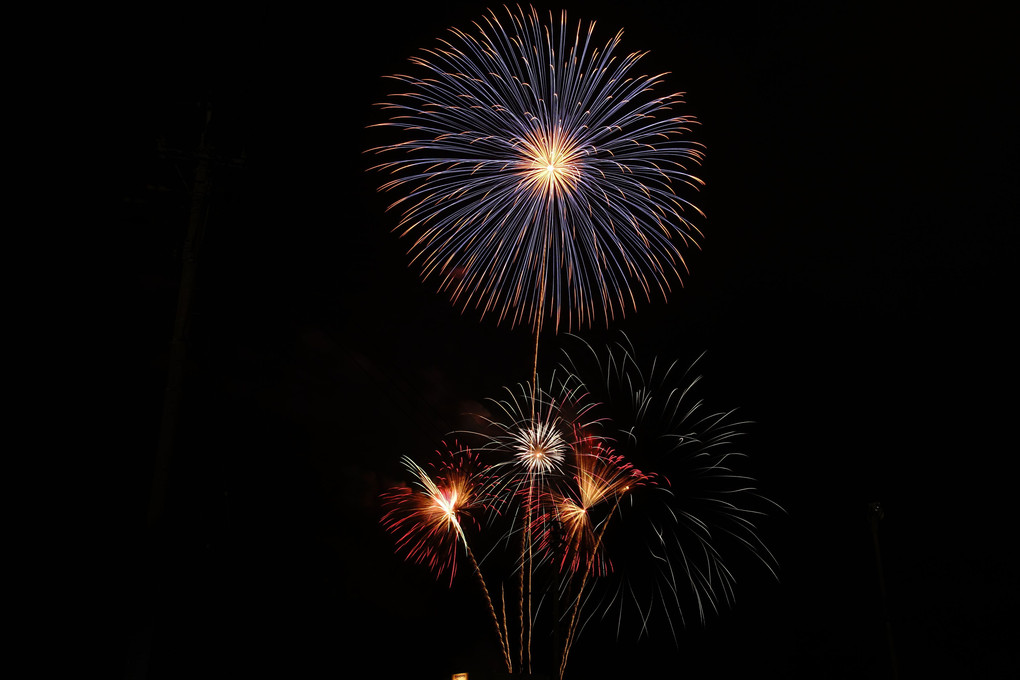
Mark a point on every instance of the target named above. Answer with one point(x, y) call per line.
point(428, 521)
point(600, 478)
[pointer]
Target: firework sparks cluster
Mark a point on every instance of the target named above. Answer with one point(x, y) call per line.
point(544, 181)
point(621, 507)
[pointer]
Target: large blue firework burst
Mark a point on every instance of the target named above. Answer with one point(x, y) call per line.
point(541, 178)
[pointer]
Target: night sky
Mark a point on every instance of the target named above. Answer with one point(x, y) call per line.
point(850, 293)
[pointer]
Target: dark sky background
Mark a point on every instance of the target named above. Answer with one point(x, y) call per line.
point(851, 295)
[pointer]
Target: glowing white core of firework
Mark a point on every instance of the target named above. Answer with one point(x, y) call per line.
point(550, 170)
point(540, 447)
point(447, 505)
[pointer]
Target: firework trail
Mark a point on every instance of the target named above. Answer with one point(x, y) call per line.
point(542, 177)
point(428, 522)
point(600, 477)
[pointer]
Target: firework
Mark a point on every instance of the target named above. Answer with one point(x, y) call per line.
point(532, 441)
point(542, 177)
point(428, 521)
point(628, 505)
point(599, 478)
point(543, 181)
point(695, 512)
point(535, 427)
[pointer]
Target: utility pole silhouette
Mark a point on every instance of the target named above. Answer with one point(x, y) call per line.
point(201, 190)
point(178, 344)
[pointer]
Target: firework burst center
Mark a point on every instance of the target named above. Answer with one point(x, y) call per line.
point(540, 447)
point(550, 167)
